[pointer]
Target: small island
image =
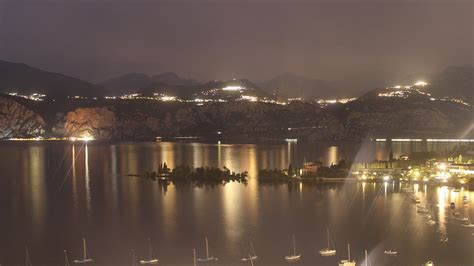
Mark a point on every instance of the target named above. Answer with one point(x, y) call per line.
point(199, 176)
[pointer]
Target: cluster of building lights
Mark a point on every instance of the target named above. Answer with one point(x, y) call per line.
point(406, 91)
point(86, 137)
point(33, 96)
point(325, 102)
point(234, 88)
point(428, 140)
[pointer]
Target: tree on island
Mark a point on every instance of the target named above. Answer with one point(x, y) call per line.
point(290, 170)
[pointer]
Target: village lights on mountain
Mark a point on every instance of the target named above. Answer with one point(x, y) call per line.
point(168, 98)
point(421, 83)
point(442, 166)
point(233, 88)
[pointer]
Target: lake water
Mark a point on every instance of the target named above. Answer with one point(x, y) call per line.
point(54, 193)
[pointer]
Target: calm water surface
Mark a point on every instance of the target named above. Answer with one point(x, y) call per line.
point(53, 194)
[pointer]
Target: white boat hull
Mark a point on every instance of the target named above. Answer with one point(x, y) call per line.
point(347, 263)
point(207, 259)
point(293, 258)
point(248, 259)
point(83, 261)
point(327, 252)
point(390, 253)
point(152, 261)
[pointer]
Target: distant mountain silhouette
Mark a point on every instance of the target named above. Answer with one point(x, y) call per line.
point(454, 81)
point(21, 78)
point(132, 81)
point(457, 82)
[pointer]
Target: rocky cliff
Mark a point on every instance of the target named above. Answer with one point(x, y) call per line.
point(18, 121)
point(228, 120)
point(145, 119)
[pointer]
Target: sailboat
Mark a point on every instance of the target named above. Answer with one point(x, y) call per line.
point(466, 200)
point(429, 263)
point(28, 259)
point(86, 258)
point(293, 257)
point(208, 257)
point(469, 224)
point(251, 260)
point(253, 255)
point(347, 262)
point(327, 251)
point(66, 260)
point(390, 252)
point(151, 259)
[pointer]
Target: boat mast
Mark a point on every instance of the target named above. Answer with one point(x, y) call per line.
point(84, 247)
point(66, 260)
point(366, 259)
point(207, 248)
point(28, 260)
point(149, 248)
point(194, 257)
point(327, 228)
point(251, 260)
point(348, 252)
point(133, 257)
point(294, 245)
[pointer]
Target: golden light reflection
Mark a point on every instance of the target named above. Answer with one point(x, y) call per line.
point(364, 184)
point(169, 209)
point(332, 155)
point(166, 155)
point(74, 181)
point(232, 208)
point(87, 177)
point(442, 193)
point(35, 184)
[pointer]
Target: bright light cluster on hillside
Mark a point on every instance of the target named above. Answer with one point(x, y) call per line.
point(33, 96)
point(234, 88)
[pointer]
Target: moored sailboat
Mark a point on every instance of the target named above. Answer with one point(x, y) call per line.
point(390, 252)
point(252, 255)
point(86, 258)
point(468, 224)
point(208, 257)
point(294, 256)
point(327, 251)
point(150, 259)
point(347, 262)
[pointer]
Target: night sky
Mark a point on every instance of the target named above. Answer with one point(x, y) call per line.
point(98, 39)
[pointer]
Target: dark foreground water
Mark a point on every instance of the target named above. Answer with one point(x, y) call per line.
point(53, 194)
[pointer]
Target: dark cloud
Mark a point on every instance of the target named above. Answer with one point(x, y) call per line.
point(255, 39)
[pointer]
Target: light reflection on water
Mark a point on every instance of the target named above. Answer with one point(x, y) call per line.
point(117, 213)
